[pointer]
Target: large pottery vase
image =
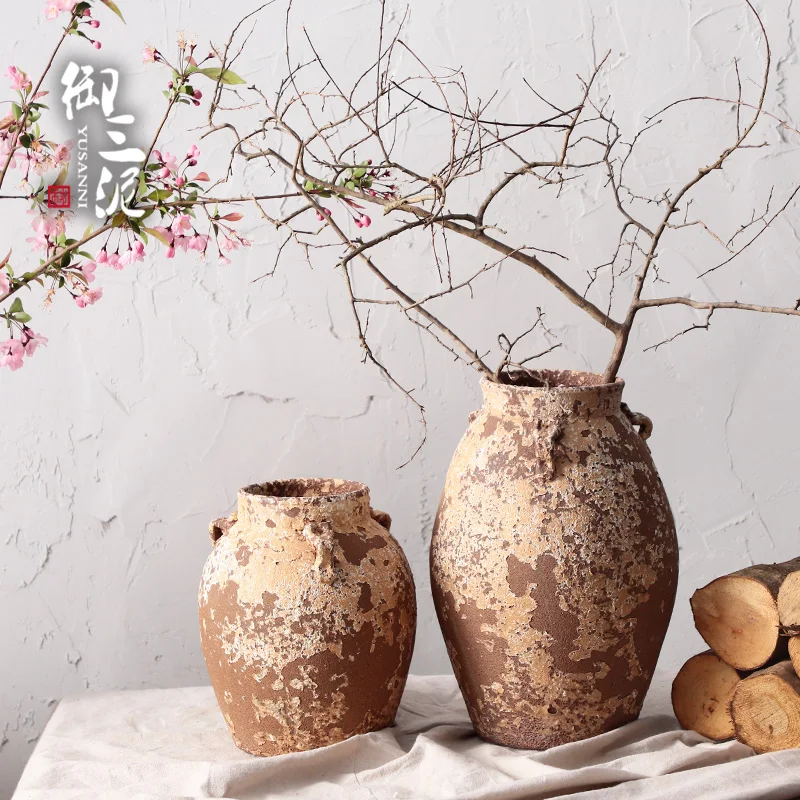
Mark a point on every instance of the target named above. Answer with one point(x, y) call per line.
point(554, 561)
point(307, 616)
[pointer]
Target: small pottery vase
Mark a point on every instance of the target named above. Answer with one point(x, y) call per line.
point(554, 561)
point(307, 616)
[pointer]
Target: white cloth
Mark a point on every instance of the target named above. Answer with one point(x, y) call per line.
point(173, 743)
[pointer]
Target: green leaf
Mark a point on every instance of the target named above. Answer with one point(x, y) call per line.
point(227, 77)
point(114, 7)
point(158, 235)
point(159, 194)
point(23, 317)
point(16, 307)
point(25, 140)
point(16, 110)
point(359, 173)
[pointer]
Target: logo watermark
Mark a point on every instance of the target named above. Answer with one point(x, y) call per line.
point(108, 164)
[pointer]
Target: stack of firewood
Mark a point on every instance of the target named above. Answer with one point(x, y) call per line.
point(747, 685)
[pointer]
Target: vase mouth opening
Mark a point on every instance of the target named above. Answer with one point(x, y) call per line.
point(555, 380)
point(306, 490)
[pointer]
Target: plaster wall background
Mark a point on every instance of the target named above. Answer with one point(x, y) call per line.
point(138, 422)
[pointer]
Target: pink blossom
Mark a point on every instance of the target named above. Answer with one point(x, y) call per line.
point(5, 284)
point(97, 45)
point(11, 354)
point(113, 261)
point(67, 5)
point(95, 23)
point(131, 256)
point(194, 150)
point(182, 224)
point(88, 297)
point(165, 232)
point(198, 95)
point(88, 270)
point(6, 154)
point(38, 242)
point(46, 226)
point(52, 9)
point(33, 341)
point(229, 244)
point(149, 55)
point(365, 221)
point(170, 252)
point(62, 152)
point(180, 181)
point(169, 161)
point(102, 257)
point(163, 173)
point(19, 80)
point(199, 243)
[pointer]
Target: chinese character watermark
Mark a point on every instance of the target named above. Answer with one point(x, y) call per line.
point(120, 162)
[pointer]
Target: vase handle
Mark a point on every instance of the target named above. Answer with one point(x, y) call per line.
point(219, 527)
point(642, 421)
point(320, 536)
point(382, 518)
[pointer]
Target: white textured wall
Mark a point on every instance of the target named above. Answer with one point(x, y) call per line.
point(145, 413)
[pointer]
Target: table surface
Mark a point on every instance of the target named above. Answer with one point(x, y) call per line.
point(173, 744)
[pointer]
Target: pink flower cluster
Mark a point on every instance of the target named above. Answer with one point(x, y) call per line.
point(181, 235)
point(171, 172)
point(47, 228)
point(118, 260)
point(56, 7)
point(19, 80)
point(13, 351)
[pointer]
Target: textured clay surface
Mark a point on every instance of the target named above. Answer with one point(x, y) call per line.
point(554, 562)
point(307, 616)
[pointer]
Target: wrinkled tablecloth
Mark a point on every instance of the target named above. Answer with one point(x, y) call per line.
point(173, 743)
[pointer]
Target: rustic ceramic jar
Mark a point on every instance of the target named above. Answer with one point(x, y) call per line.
point(307, 616)
point(554, 561)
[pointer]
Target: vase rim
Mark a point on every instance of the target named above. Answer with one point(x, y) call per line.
point(580, 382)
point(305, 491)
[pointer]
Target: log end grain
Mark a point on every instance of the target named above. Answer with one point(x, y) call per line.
point(738, 618)
point(789, 601)
point(766, 709)
point(794, 653)
point(701, 696)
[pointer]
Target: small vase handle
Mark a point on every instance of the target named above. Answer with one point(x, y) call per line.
point(382, 518)
point(219, 527)
point(643, 422)
point(320, 536)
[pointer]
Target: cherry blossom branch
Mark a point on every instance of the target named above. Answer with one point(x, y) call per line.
point(35, 91)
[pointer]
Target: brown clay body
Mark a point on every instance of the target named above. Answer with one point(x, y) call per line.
point(554, 562)
point(307, 616)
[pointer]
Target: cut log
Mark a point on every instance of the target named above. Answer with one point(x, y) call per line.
point(789, 601)
point(701, 695)
point(737, 615)
point(794, 653)
point(766, 709)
